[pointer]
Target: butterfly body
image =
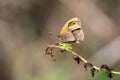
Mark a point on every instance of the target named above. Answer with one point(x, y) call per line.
point(72, 31)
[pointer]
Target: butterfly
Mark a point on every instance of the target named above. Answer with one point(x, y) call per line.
point(72, 31)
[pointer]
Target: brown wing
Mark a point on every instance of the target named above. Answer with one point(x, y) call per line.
point(67, 36)
point(79, 35)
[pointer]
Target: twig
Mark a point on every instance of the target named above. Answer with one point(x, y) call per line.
point(83, 59)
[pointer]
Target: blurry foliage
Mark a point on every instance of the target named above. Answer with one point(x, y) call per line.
point(92, 39)
point(24, 34)
point(104, 72)
point(111, 8)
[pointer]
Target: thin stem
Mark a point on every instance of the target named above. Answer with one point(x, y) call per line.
point(83, 59)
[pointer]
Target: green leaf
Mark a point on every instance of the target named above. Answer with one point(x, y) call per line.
point(66, 45)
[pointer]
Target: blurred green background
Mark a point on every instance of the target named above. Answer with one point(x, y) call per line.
point(27, 27)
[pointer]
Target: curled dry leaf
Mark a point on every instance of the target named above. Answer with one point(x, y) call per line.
point(88, 65)
point(76, 58)
point(92, 70)
point(49, 52)
point(63, 50)
point(106, 67)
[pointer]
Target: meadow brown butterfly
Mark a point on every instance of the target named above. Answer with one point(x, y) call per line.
point(72, 31)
